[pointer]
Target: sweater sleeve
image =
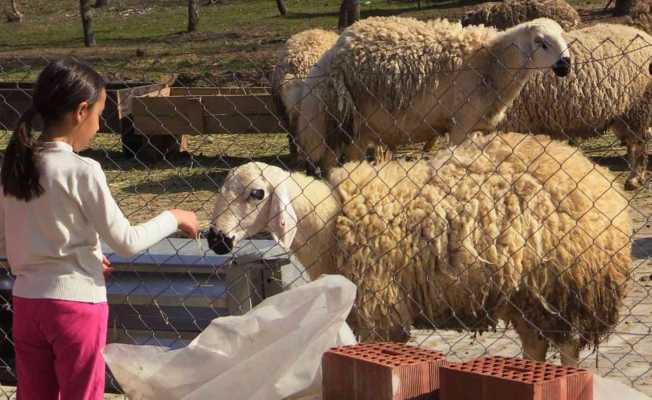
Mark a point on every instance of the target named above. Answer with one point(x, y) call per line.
point(111, 224)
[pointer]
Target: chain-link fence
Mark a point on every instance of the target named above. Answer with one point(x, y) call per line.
point(510, 244)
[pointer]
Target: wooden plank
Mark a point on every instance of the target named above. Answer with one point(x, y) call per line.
point(238, 124)
point(124, 96)
point(238, 105)
point(185, 115)
point(168, 115)
point(219, 91)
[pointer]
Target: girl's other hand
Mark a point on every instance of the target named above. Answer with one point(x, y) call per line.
point(187, 221)
point(106, 267)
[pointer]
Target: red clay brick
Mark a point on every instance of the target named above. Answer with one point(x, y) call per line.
point(501, 378)
point(381, 371)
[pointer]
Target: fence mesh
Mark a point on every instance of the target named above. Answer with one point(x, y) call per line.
point(502, 242)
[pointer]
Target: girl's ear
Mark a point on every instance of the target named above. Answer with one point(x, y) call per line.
point(283, 219)
point(81, 112)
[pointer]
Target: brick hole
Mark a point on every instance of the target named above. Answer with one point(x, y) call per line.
point(390, 352)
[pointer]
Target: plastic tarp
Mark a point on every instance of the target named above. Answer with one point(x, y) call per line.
point(272, 352)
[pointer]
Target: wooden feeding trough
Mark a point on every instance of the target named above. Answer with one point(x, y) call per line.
point(164, 120)
point(16, 98)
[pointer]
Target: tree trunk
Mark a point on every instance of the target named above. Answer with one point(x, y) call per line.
point(101, 3)
point(281, 7)
point(193, 15)
point(354, 12)
point(341, 20)
point(87, 22)
point(14, 15)
point(623, 7)
point(349, 13)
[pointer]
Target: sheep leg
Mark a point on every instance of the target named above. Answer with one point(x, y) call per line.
point(570, 352)
point(535, 347)
point(381, 153)
point(637, 158)
point(456, 136)
point(328, 161)
point(430, 145)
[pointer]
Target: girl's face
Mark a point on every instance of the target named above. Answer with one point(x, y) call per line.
point(86, 122)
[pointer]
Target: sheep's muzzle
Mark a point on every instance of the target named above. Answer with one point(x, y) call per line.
point(219, 242)
point(562, 67)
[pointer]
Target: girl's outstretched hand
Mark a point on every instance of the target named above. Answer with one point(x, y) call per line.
point(187, 221)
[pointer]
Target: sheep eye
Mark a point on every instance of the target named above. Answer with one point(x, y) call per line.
point(257, 194)
point(541, 43)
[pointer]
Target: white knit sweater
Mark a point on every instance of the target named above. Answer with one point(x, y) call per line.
point(52, 243)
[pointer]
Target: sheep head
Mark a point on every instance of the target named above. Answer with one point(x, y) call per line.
point(254, 198)
point(539, 44)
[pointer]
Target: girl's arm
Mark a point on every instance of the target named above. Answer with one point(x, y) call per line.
point(114, 228)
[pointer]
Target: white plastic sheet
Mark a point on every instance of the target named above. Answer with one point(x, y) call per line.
point(272, 352)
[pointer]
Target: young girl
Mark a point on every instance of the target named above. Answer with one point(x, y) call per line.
point(55, 207)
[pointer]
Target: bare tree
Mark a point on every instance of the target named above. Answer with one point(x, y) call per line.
point(281, 7)
point(101, 3)
point(193, 15)
point(87, 22)
point(14, 15)
point(349, 13)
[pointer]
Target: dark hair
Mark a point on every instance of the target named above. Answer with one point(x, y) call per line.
point(60, 88)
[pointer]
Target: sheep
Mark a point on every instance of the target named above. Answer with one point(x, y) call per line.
point(398, 80)
point(503, 15)
point(511, 227)
point(610, 87)
point(294, 61)
point(640, 15)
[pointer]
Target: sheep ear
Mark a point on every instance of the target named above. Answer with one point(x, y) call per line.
point(283, 219)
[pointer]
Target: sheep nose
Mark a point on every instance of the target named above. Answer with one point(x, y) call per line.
point(219, 242)
point(562, 67)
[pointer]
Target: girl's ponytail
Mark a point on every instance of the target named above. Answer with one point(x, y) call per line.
point(20, 173)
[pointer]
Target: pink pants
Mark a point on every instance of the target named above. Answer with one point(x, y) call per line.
point(59, 349)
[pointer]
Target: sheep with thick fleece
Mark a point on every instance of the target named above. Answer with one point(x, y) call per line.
point(294, 61)
point(508, 13)
point(398, 80)
point(609, 87)
point(511, 227)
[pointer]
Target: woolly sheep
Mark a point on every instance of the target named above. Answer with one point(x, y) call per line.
point(640, 15)
point(508, 227)
point(294, 61)
point(398, 80)
point(503, 15)
point(609, 87)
